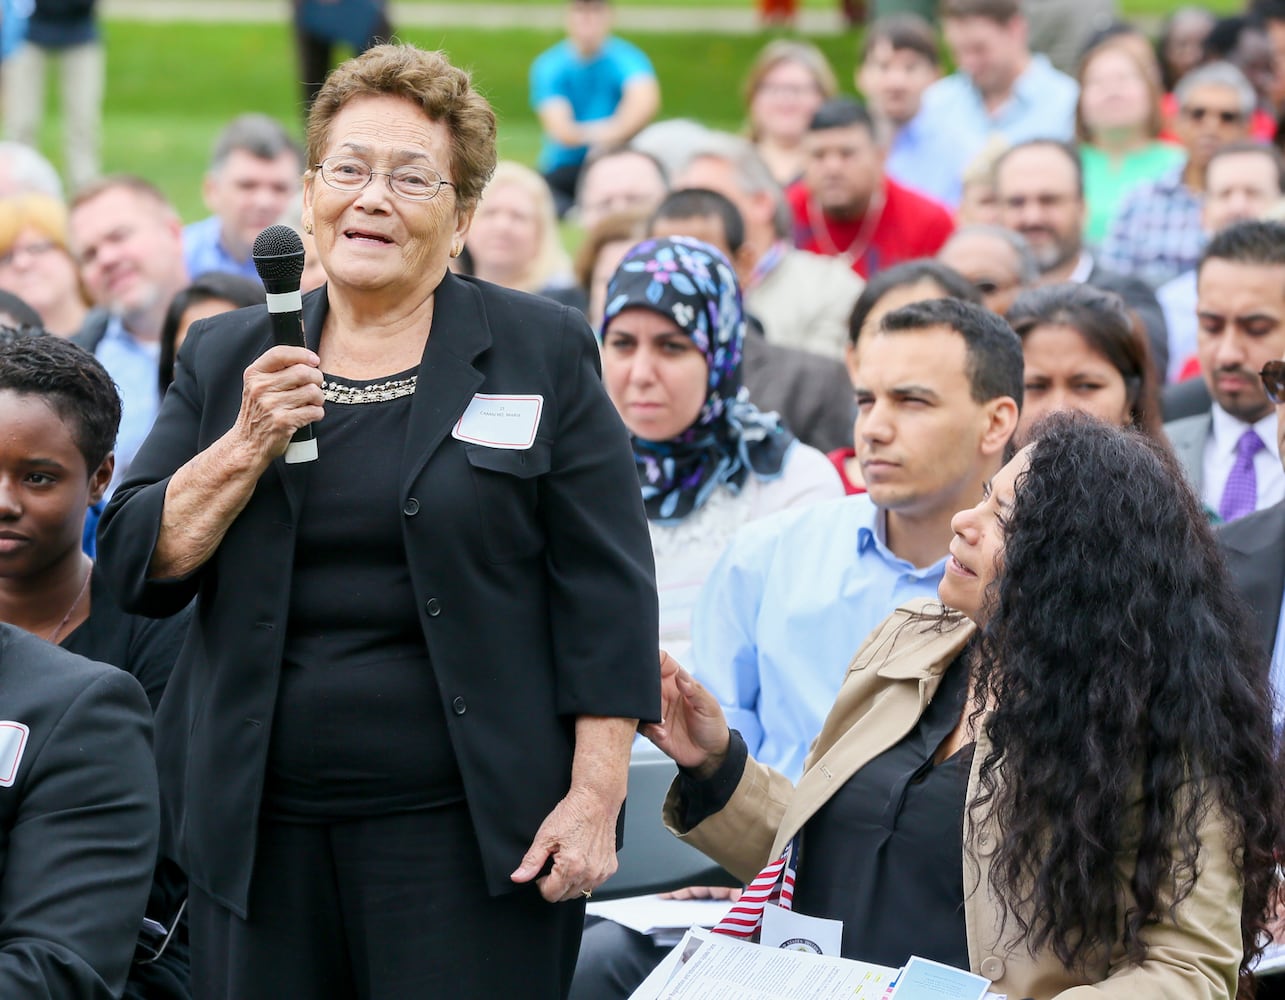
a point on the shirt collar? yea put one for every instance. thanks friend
(1172, 181)
(116, 332)
(1083, 268)
(766, 264)
(873, 534)
(1028, 88)
(1227, 430)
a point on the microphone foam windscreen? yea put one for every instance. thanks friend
(278, 254)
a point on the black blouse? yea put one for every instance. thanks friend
(359, 727)
(885, 853)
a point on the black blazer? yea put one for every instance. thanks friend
(78, 822)
(534, 571)
(1254, 547)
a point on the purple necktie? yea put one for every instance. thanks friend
(1240, 495)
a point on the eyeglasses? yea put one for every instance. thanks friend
(1226, 117)
(410, 181)
(30, 250)
(1273, 376)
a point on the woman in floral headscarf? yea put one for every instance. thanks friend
(708, 461)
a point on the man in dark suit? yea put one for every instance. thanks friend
(79, 821)
(1253, 548)
(1229, 452)
(1040, 186)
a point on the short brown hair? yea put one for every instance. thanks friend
(428, 80)
(999, 11)
(615, 228)
(903, 32)
(140, 186)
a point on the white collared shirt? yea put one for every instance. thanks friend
(1083, 268)
(1220, 456)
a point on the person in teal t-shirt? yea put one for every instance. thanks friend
(1117, 121)
(590, 91)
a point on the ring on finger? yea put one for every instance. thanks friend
(587, 893)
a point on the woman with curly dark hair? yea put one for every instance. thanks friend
(1084, 722)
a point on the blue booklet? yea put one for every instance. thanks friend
(923, 979)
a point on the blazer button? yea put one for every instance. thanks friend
(458, 706)
(411, 507)
(433, 607)
(993, 968)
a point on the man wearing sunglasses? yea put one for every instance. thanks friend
(1156, 234)
(1232, 453)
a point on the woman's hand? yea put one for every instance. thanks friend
(574, 851)
(281, 392)
(579, 838)
(692, 728)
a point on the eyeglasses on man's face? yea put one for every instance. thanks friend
(1273, 376)
(411, 181)
(1226, 117)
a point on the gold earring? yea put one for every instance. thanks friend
(456, 250)
(307, 228)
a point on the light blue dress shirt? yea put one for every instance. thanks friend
(1042, 106)
(203, 251)
(132, 365)
(783, 612)
(926, 159)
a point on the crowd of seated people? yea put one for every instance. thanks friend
(855, 351)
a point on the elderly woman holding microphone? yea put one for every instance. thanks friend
(398, 734)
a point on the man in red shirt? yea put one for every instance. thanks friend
(845, 207)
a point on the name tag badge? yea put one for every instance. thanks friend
(13, 741)
(495, 421)
(798, 932)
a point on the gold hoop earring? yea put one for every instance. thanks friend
(456, 250)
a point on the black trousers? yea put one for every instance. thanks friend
(315, 54)
(386, 908)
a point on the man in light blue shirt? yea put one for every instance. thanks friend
(128, 241)
(1000, 87)
(254, 176)
(938, 385)
(899, 62)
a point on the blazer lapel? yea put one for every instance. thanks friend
(857, 731)
(447, 379)
(1257, 567)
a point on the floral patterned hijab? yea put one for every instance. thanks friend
(693, 284)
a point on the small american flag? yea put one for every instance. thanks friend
(774, 884)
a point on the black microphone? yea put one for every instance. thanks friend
(278, 257)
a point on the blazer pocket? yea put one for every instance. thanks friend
(507, 487)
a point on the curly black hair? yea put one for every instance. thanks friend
(71, 380)
(1130, 702)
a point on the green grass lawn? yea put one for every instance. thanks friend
(171, 87)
